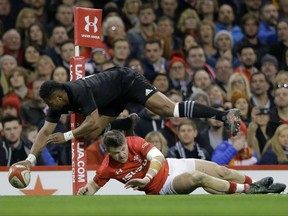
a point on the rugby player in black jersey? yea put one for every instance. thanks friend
(101, 97)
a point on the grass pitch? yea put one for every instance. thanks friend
(271, 204)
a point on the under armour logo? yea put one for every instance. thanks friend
(118, 171)
(91, 24)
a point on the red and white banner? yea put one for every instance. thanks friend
(87, 26)
(79, 156)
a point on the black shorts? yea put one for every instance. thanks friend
(136, 90)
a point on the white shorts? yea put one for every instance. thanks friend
(176, 167)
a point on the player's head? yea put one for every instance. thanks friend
(115, 143)
(52, 93)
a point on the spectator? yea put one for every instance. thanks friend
(226, 18)
(250, 7)
(241, 102)
(121, 51)
(7, 15)
(18, 83)
(34, 110)
(40, 7)
(248, 60)
(168, 8)
(67, 51)
(31, 57)
(45, 67)
(236, 150)
(202, 79)
(131, 10)
(268, 21)
(250, 28)
(186, 147)
(10, 107)
(188, 42)
(7, 62)
(166, 27)
(196, 60)
(223, 71)
(217, 96)
(279, 114)
(188, 23)
(179, 76)
(25, 18)
(208, 10)
(113, 27)
(224, 43)
(281, 77)
(141, 32)
(257, 129)
(158, 140)
(261, 96)
(161, 82)
(36, 34)
(283, 9)
(98, 56)
(207, 33)
(275, 151)
(12, 45)
(59, 36)
(13, 147)
(278, 50)
(153, 62)
(269, 66)
(63, 17)
(60, 74)
(135, 64)
(238, 82)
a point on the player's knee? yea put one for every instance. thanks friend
(196, 178)
(222, 171)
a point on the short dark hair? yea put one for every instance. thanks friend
(153, 41)
(113, 138)
(10, 118)
(49, 87)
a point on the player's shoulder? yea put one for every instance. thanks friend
(137, 142)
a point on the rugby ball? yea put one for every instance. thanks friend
(19, 176)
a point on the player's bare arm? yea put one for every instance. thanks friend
(91, 123)
(40, 143)
(156, 159)
(89, 189)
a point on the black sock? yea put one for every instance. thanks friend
(193, 109)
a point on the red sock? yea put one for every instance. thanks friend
(248, 180)
(232, 188)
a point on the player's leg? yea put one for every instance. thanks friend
(161, 105)
(105, 120)
(221, 172)
(187, 182)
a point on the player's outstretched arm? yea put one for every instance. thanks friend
(91, 123)
(89, 189)
(39, 144)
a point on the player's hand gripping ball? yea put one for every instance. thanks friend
(19, 176)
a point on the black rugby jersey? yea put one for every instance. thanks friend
(96, 91)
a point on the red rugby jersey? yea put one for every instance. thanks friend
(136, 167)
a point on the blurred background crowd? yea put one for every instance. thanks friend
(222, 53)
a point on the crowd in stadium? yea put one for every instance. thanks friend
(221, 53)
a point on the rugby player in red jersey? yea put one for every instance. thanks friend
(141, 166)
